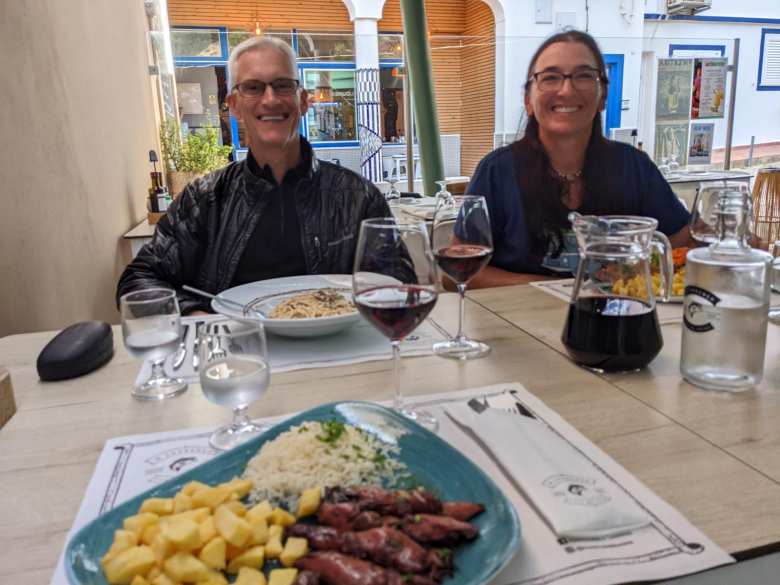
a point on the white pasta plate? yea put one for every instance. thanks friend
(263, 296)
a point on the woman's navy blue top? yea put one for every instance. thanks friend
(645, 192)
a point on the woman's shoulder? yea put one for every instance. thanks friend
(501, 157)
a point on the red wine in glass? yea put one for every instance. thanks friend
(461, 262)
(396, 310)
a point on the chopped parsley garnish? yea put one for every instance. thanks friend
(332, 430)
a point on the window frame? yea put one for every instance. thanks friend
(764, 33)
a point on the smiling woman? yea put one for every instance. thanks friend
(564, 163)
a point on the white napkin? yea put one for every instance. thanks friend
(568, 490)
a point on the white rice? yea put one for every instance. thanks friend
(315, 455)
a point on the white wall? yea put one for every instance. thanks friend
(77, 122)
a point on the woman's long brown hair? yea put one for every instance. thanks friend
(541, 190)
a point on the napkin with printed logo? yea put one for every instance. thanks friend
(570, 492)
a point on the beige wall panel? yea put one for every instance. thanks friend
(447, 80)
(77, 122)
(444, 16)
(276, 14)
(478, 89)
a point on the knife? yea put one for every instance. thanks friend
(178, 360)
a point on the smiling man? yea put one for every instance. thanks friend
(280, 212)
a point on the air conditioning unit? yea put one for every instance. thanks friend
(687, 7)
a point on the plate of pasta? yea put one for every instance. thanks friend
(294, 306)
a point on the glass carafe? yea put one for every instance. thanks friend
(612, 323)
(726, 302)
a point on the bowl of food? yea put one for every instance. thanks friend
(634, 286)
(313, 499)
(297, 306)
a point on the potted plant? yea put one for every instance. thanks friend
(191, 156)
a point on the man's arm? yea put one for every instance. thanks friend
(174, 255)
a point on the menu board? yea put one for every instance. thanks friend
(709, 88)
(671, 143)
(673, 97)
(700, 146)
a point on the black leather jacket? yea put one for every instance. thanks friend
(203, 235)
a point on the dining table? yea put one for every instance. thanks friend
(714, 456)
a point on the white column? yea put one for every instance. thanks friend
(367, 95)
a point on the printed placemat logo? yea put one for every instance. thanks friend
(577, 490)
(699, 312)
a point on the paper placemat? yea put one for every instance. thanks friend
(667, 312)
(360, 343)
(670, 546)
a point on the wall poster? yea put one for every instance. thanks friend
(674, 90)
(709, 88)
(671, 143)
(700, 147)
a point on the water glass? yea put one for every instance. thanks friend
(234, 372)
(151, 328)
(774, 277)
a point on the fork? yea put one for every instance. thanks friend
(216, 351)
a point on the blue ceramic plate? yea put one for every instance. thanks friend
(434, 463)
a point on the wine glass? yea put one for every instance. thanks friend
(151, 328)
(774, 276)
(393, 195)
(394, 286)
(443, 194)
(462, 246)
(704, 211)
(234, 372)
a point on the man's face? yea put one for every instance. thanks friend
(271, 120)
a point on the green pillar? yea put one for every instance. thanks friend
(418, 71)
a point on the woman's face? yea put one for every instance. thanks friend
(568, 111)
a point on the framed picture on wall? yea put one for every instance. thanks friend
(674, 89)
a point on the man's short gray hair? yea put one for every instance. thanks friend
(258, 44)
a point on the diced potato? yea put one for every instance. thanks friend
(213, 554)
(149, 533)
(155, 572)
(215, 578)
(294, 549)
(233, 529)
(122, 568)
(162, 548)
(159, 506)
(210, 497)
(253, 557)
(184, 567)
(191, 487)
(232, 552)
(207, 529)
(282, 576)
(163, 579)
(181, 503)
(138, 522)
(282, 517)
(273, 548)
(261, 510)
(260, 532)
(237, 507)
(139, 580)
(197, 515)
(184, 533)
(249, 576)
(123, 539)
(308, 503)
(240, 487)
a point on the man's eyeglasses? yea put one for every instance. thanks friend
(582, 79)
(252, 88)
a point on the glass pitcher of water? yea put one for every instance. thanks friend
(612, 323)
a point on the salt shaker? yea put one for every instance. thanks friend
(726, 301)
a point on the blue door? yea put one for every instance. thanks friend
(614, 64)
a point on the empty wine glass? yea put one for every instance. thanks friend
(774, 277)
(393, 195)
(462, 246)
(664, 167)
(704, 219)
(394, 286)
(443, 194)
(234, 372)
(151, 328)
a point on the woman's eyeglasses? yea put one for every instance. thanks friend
(582, 79)
(252, 88)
